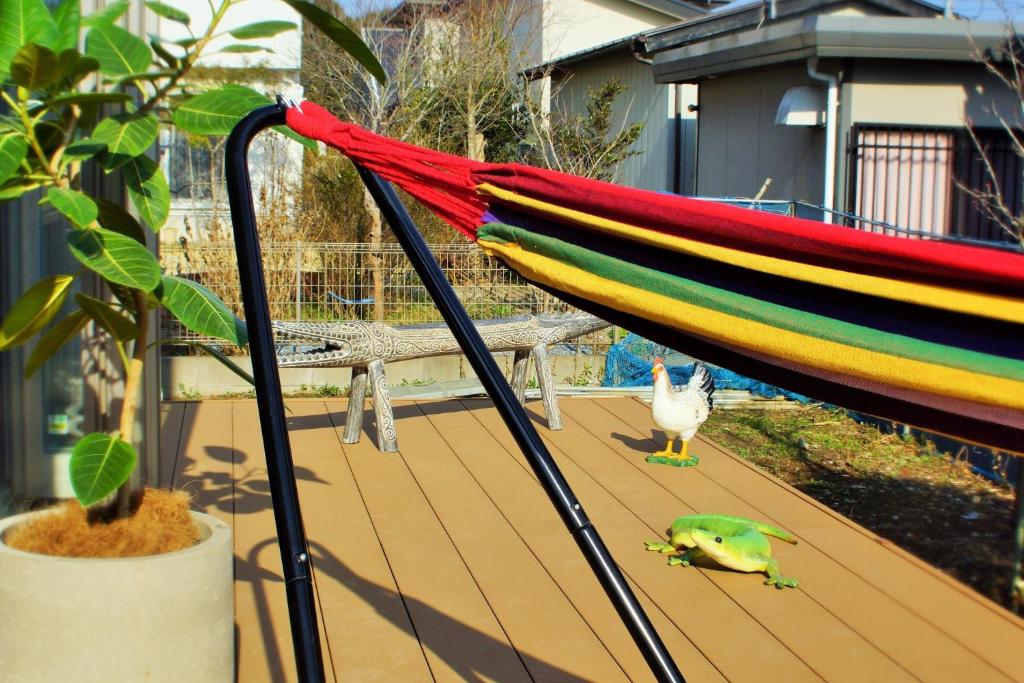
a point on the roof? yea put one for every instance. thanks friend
(624, 43)
(753, 15)
(678, 8)
(824, 36)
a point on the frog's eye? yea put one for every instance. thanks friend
(718, 539)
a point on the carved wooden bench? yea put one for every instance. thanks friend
(367, 346)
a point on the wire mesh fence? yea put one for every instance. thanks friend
(325, 282)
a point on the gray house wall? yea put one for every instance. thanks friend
(644, 101)
(739, 144)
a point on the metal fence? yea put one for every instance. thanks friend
(326, 282)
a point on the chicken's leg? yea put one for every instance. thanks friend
(684, 452)
(668, 451)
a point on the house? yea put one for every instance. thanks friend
(578, 45)
(855, 105)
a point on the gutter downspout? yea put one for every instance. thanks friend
(831, 112)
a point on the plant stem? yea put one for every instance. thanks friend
(133, 378)
(188, 60)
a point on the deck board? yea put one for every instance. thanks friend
(687, 597)
(368, 630)
(445, 561)
(914, 601)
(518, 588)
(815, 635)
(457, 627)
(520, 500)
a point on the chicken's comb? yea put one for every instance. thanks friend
(658, 361)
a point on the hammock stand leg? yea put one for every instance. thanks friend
(280, 468)
(284, 494)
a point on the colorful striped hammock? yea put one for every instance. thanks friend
(921, 332)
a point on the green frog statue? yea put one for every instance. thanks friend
(733, 542)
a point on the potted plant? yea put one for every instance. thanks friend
(82, 90)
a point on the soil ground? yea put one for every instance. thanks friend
(925, 501)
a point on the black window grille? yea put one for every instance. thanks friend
(915, 178)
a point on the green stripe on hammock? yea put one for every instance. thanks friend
(749, 308)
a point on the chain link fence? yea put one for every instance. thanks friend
(324, 282)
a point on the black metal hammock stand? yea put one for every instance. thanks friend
(295, 558)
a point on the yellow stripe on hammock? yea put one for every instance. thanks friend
(756, 336)
(992, 306)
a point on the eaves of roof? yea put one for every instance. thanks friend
(624, 43)
(829, 36)
(753, 15)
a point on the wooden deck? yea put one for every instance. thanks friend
(446, 562)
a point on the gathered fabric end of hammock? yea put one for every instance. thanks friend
(440, 181)
(922, 332)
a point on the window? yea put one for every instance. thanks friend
(912, 178)
(194, 166)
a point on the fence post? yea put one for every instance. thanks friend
(298, 281)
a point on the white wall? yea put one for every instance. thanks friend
(286, 46)
(574, 25)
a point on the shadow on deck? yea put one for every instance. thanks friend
(445, 561)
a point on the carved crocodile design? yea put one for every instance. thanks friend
(366, 346)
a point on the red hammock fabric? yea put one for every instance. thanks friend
(447, 184)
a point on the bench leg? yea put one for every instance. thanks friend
(356, 401)
(547, 386)
(387, 438)
(520, 368)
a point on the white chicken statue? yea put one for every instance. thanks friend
(680, 412)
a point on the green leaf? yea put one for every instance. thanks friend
(185, 42)
(53, 339)
(34, 67)
(99, 464)
(117, 258)
(114, 217)
(148, 191)
(79, 208)
(119, 52)
(34, 309)
(108, 15)
(163, 53)
(74, 66)
(216, 112)
(200, 310)
(262, 29)
(147, 76)
(120, 326)
(341, 35)
(23, 22)
(88, 98)
(13, 148)
(68, 17)
(126, 136)
(168, 12)
(15, 187)
(84, 149)
(244, 49)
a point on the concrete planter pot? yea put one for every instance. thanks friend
(157, 618)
